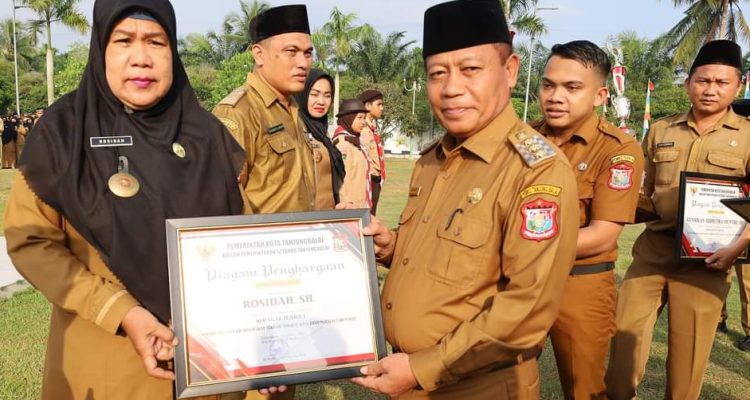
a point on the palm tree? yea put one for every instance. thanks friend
(381, 59)
(25, 43)
(339, 33)
(49, 12)
(238, 24)
(704, 21)
(522, 17)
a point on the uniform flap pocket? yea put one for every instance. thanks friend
(466, 231)
(585, 190)
(666, 155)
(280, 142)
(408, 212)
(724, 160)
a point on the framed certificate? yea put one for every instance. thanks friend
(274, 299)
(704, 223)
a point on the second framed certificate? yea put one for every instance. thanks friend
(704, 224)
(269, 300)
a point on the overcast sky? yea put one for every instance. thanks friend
(575, 19)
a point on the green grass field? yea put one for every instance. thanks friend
(24, 318)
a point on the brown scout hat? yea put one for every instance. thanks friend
(351, 106)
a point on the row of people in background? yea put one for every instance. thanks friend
(350, 165)
(486, 262)
(15, 130)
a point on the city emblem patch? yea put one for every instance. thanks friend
(621, 177)
(539, 220)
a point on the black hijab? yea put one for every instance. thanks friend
(318, 127)
(71, 176)
(9, 131)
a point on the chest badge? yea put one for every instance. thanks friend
(733, 143)
(583, 166)
(123, 184)
(475, 195)
(178, 150)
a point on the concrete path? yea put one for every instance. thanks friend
(8, 273)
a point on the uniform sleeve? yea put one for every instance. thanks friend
(649, 168)
(350, 189)
(537, 253)
(618, 185)
(37, 245)
(244, 126)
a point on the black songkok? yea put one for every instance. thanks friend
(722, 52)
(463, 23)
(279, 20)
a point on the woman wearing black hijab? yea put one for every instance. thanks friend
(84, 222)
(10, 134)
(314, 102)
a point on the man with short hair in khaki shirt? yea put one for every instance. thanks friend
(488, 234)
(710, 138)
(264, 117)
(608, 165)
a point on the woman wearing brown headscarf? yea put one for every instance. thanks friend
(84, 222)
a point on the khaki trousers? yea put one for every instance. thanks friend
(581, 334)
(694, 295)
(743, 278)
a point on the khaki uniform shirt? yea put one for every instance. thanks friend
(279, 175)
(483, 249)
(356, 186)
(85, 358)
(608, 165)
(323, 178)
(673, 144)
(368, 143)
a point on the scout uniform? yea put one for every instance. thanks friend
(694, 292)
(356, 186)
(608, 165)
(279, 174)
(373, 145)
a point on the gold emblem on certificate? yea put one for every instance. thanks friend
(123, 184)
(705, 224)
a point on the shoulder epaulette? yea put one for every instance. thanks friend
(430, 146)
(233, 98)
(610, 129)
(532, 147)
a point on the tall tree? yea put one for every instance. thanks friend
(52, 11)
(339, 33)
(25, 43)
(704, 21)
(381, 59)
(523, 18)
(238, 24)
